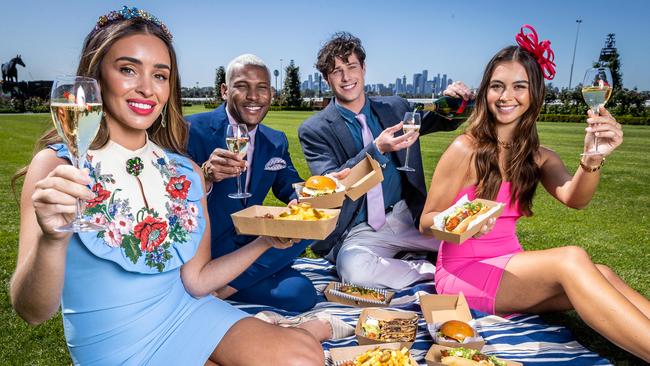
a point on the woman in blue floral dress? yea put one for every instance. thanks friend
(137, 292)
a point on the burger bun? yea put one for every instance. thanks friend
(456, 330)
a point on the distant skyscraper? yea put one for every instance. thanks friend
(310, 82)
(449, 82)
(398, 86)
(423, 82)
(417, 81)
(443, 84)
(428, 87)
(404, 84)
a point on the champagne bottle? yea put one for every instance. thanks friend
(453, 108)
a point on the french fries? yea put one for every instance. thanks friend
(303, 211)
(382, 357)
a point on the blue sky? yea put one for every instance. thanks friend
(400, 36)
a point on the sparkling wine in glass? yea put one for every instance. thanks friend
(596, 90)
(76, 107)
(237, 141)
(411, 123)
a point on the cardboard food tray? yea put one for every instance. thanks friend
(332, 294)
(441, 308)
(248, 222)
(383, 314)
(433, 357)
(362, 177)
(342, 354)
(496, 208)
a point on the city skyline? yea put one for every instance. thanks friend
(420, 84)
(399, 38)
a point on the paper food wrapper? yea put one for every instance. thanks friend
(439, 220)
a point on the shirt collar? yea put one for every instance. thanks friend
(233, 121)
(348, 114)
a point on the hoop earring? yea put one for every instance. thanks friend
(163, 121)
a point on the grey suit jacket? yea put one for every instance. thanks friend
(328, 147)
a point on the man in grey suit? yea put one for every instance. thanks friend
(372, 230)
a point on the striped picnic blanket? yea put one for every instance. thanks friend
(524, 338)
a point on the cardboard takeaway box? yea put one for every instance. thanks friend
(342, 354)
(495, 209)
(249, 222)
(441, 308)
(383, 314)
(333, 295)
(363, 176)
(433, 357)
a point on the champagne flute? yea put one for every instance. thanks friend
(237, 142)
(411, 123)
(596, 90)
(76, 106)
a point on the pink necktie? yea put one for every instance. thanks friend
(375, 196)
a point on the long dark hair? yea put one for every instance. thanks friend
(520, 167)
(96, 45)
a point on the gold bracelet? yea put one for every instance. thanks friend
(206, 173)
(591, 169)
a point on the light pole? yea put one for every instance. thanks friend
(575, 45)
(276, 73)
(281, 70)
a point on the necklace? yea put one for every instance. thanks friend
(134, 167)
(505, 145)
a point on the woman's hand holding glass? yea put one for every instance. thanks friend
(55, 198)
(603, 133)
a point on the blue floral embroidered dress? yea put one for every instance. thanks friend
(123, 299)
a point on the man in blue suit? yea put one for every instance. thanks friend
(371, 231)
(270, 280)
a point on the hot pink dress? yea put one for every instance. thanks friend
(475, 267)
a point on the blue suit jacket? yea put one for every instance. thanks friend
(328, 146)
(208, 132)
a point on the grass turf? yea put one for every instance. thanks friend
(614, 229)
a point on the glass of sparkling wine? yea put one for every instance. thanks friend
(76, 106)
(237, 142)
(411, 123)
(596, 90)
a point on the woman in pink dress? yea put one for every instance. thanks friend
(499, 157)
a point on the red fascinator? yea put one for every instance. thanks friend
(540, 50)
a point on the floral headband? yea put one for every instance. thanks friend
(540, 50)
(129, 13)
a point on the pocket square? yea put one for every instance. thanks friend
(275, 164)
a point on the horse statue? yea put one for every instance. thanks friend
(10, 71)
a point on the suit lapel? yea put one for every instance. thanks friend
(340, 130)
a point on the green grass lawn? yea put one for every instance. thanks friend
(614, 229)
